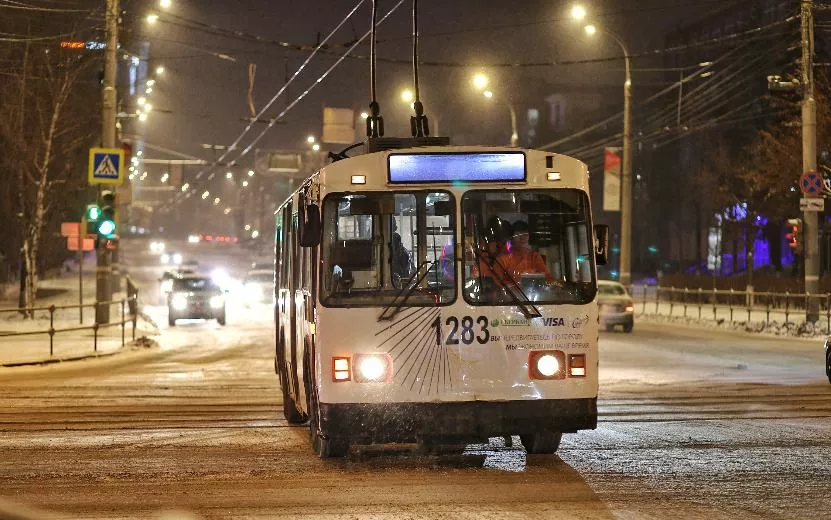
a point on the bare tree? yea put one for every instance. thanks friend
(45, 130)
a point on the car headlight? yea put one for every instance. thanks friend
(217, 302)
(546, 364)
(177, 259)
(179, 302)
(165, 258)
(373, 368)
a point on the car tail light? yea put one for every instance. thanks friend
(546, 364)
(373, 368)
(577, 365)
(341, 369)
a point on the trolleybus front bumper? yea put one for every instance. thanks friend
(410, 422)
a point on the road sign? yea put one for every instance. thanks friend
(69, 229)
(106, 166)
(811, 183)
(811, 204)
(82, 242)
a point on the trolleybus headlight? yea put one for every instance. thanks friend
(577, 365)
(179, 302)
(546, 364)
(217, 302)
(341, 370)
(372, 368)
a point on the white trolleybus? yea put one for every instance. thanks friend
(439, 293)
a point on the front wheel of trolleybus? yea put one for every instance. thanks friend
(290, 411)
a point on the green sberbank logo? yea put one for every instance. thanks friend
(494, 322)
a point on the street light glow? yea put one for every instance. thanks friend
(141, 101)
(250, 173)
(142, 117)
(591, 30)
(148, 107)
(364, 115)
(159, 70)
(488, 94)
(407, 95)
(244, 184)
(216, 201)
(310, 139)
(227, 211)
(206, 194)
(151, 82)
(229, 176)
(255, 234)
(152, 18)
(165, 4)
(316, 147)
(480, 81)
(578, 12)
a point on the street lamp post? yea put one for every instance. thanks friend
(626, 178)
(514, 134)
(480, 82)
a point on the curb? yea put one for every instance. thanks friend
(54, 361)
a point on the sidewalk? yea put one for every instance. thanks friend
(73, 344)
(776, 322)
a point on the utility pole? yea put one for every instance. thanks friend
(103, 282)
(626, 177)
(809, 158)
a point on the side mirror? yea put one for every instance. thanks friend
(309, 225)
(601, 244)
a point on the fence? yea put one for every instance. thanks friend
(125, 304)
(731, 304)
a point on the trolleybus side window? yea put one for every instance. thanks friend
(529, 245)
(378, 244)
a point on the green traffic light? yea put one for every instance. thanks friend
(93, 213)
(106, 227)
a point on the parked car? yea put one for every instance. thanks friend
(615, 306)
(195, 297)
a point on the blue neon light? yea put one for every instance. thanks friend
(457, 167)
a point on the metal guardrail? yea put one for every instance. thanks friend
(714, 301)
(129, 314)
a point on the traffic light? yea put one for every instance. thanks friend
(106, 223)
(91, 216)
(793, 233)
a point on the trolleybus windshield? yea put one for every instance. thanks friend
(376, 243)
(531, 243)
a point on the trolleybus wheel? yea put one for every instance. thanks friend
(290, 411)
(542, 442)
(628, 327)
(828, 365)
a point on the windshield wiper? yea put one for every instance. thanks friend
(404, 294)
(528, 309)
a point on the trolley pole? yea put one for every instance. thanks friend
(103, 281)
(809, 158)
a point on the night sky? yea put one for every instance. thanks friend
(207, 96)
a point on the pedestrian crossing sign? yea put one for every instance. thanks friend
(106, 166)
